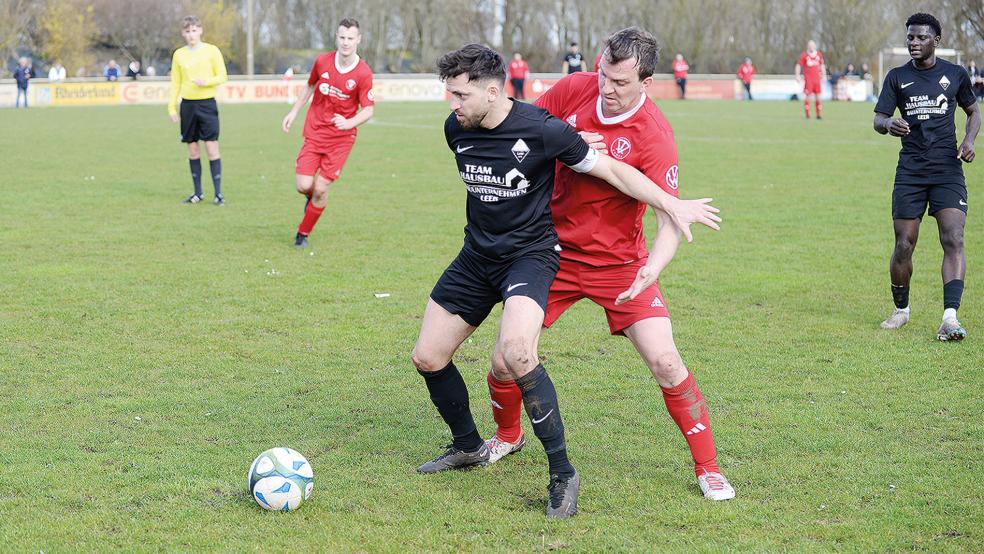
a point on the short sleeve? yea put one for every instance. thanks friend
(660, 162)
(315, 74)
(553, 98)
(802, 60)
(562, 143)
(965, 91)
(448, 130)
(366, 96)
(887, 99)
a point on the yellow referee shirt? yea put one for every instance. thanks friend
(204, 62)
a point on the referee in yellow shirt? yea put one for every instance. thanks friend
(196, 70)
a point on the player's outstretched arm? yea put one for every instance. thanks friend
(966, 151)
(632, 182)
(292, 114)
(664, 248)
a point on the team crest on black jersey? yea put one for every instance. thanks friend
(520, 150)
(944, 82)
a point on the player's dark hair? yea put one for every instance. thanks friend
(925, 19)
(190, 20)
(573, 44)
(348, 22)
(634, 43)
(477, 60)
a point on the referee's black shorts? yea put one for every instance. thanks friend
(199, 120)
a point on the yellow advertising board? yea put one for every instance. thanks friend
(77, 94)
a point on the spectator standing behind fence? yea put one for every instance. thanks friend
(57, 73)
(976, 80)
(133, 70)
(573, 60)
(22, 75)
(745, 73)
(112, 71)
(680, 71)
(519, 70)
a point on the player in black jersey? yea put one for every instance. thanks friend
(506, 153)
(927, 91)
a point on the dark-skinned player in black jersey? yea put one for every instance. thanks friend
(926, 91)
(506, 153)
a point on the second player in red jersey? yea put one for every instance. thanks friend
(341, 84)
(811, 70)
(603, 251)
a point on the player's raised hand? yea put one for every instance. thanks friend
(594, 140)
(645, 278)
(899, 127)
(966, 152)
(683, 213)
(288, 121)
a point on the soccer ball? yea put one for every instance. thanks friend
(280, 479)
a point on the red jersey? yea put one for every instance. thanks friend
(597, 224)
(518, 69)
(745, 72)
(811, 65)
(337, 90)
(680, 69)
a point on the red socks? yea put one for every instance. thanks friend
(817, 104)
(507, 404)
(689, 411)
(806, 107)
(311, 215)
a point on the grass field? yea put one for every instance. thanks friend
(150, 350)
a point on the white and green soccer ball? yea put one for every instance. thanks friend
(281, 479)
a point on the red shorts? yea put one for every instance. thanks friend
(602, 285)
(329, 159)
(811, 87)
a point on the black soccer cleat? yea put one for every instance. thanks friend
(193, 199)
(563, 490)
(219, 200)
(456, 459)
(301, 241)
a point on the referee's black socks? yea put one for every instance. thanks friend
(450, 395)
(196, 174)
(540, 400)
(215, 166)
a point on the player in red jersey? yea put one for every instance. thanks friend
(341, 83)
(745, 73)
(810, 70)
(519, 70)
(603, 245)
(680, 71)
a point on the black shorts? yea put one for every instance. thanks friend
(909, 201)
(199, 120)
(471, 286)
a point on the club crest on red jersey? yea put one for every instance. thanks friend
(350, 84)
(621, 148)
(672, 177)
(572, 120)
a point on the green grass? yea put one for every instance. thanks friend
(149, 350)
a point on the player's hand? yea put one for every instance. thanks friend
(288, 121)
(174, 118)
(966, 151)
(341, 123)
(683, 213)
(200, 82)
(899, 127)
(594, 140)
(645, 278)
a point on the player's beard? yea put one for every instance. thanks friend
(473, 122)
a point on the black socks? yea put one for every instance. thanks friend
(215, 166)
(900, 294)
(952, 292)
(450, 395)
(540, 400)
(196, 175)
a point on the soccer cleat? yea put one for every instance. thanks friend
(950, 330)
(456, 459)
(301, 241)
(562, 502)
(898, 318)
(715, 486)
(219, 200)
(193, 199)
(499, 448)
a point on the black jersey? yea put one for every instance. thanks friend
(927, 100)
(574, 62)
(508, 172)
